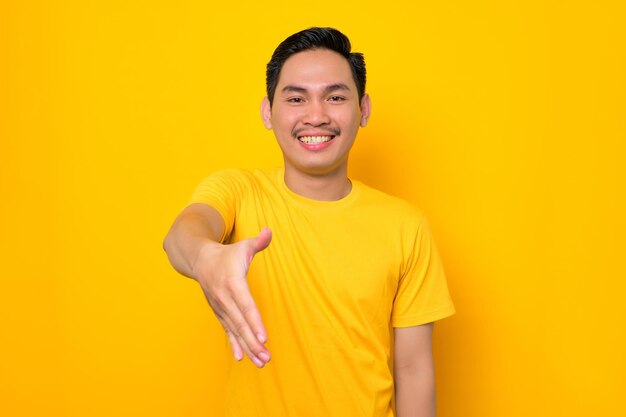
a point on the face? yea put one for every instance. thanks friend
(316, 113)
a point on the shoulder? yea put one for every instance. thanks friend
(391, 206)
(230, 174)
(231, 185)
(240, 179)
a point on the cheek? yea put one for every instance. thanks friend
(349, 114)
(283, 120)
(350, 122)
(282, 127)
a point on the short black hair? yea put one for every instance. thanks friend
(315, 38)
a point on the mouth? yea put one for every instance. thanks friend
(314, 140)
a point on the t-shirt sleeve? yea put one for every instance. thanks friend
(422, 295)
(222, 190)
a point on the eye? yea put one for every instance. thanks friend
(336, 98)
(295, 100)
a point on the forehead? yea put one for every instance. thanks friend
(316, 68)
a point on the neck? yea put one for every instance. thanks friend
(323, 187)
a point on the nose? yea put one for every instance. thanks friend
(316, 114)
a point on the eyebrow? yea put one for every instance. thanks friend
(329, 88)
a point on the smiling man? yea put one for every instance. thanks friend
(340, 269)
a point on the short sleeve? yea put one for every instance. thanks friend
(422, 295)
(223, 191)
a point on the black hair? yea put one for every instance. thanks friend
(315, 38)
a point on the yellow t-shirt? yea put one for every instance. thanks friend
(337, 276)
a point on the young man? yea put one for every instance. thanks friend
(348, 268)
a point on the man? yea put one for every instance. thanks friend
(347, 265)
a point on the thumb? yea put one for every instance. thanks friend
(260, 242)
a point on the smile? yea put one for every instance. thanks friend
(312, 140)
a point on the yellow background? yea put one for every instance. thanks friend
(505, 121)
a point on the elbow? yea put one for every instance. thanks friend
(167, 241)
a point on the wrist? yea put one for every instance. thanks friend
(207, 249)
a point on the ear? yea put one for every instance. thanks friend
(266, 113)
(366, 109)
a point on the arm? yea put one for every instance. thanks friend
(414, 372)
(193, 250)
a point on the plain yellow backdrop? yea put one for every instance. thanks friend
(504, 121)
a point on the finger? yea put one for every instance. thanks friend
(248, 340)
(257, 361)
(238, 344)
(249, 310)
(263, 240)
(234, 346)
(235, 343)
(238, 340)
(235, 322)
(257, 244)
(218, 305)
(227, 310)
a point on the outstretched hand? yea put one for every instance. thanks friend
(221, 271)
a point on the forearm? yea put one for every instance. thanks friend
(415, 392)
(194, 250)
(189, 235)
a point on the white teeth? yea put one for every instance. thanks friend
(314, 139)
